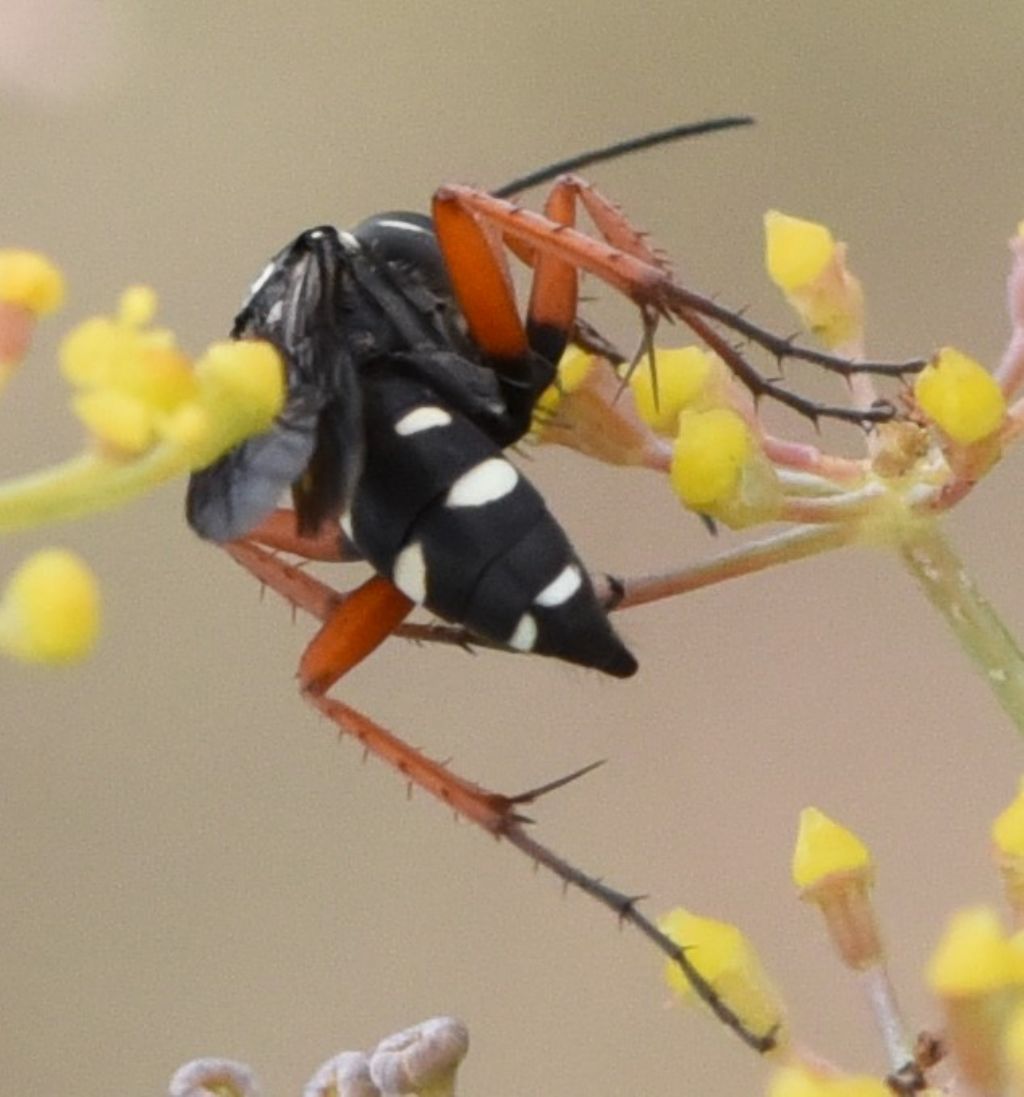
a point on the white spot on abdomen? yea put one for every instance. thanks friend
(485, 483)
(424, 418)
(410, 573)
(525, 635)
(560, 589)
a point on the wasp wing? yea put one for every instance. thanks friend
(315, 446)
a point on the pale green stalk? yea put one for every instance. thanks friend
(928, 556)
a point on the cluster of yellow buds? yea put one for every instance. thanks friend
(150, 414)
(681, 415)
(686, 416)
(976, 972)
(421, 1061)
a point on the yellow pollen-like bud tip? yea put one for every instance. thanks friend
(679, 378)
(707, 461)
(242, 389)
(137, 306)
(976, 972)
(50, 610)
(796, 251)
(31, 281)
(572, 371)
(824, 848)
(809, 266)
(975, 957)
(960, 396)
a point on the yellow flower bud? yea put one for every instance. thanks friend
(719, 469)
(242, 390)
(833, 869)
(131, 377)
(50, 610)
(573, 368)
(121, 422)
(796, 251)
(681, 375)
(711, 450)
(824, 848)
(801, 1081)
(960, 396)
(137, 306)
(975, 956)
(727, 960)
(30, 281)
(808, 265)
(1008, 843)
(587, 410)
(975, 971)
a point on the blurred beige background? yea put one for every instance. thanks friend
(190, 863)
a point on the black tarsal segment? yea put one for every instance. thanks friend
(547, 340)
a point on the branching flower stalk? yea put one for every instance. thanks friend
(150, 415)
(691, 420)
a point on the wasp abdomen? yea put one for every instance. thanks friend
(460, 530)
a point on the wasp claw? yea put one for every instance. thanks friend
(532, 794)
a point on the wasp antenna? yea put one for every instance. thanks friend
(620, 148)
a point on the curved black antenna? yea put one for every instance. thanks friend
(621, 148)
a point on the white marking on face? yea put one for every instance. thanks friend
(424, 418)
(525, 635)
(410, 573)
(561, 589)
(485, 483)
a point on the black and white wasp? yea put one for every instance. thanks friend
(409, 371)
(395, 423)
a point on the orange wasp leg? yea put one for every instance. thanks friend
(623, 261)
(481, 283)
(279, 531)
(632, 268)
(476, 265)
(354, 626)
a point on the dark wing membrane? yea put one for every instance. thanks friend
(328, 483)
(315, 446)
(231, 496)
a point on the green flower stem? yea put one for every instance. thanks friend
(84, 485)
(930, 559)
